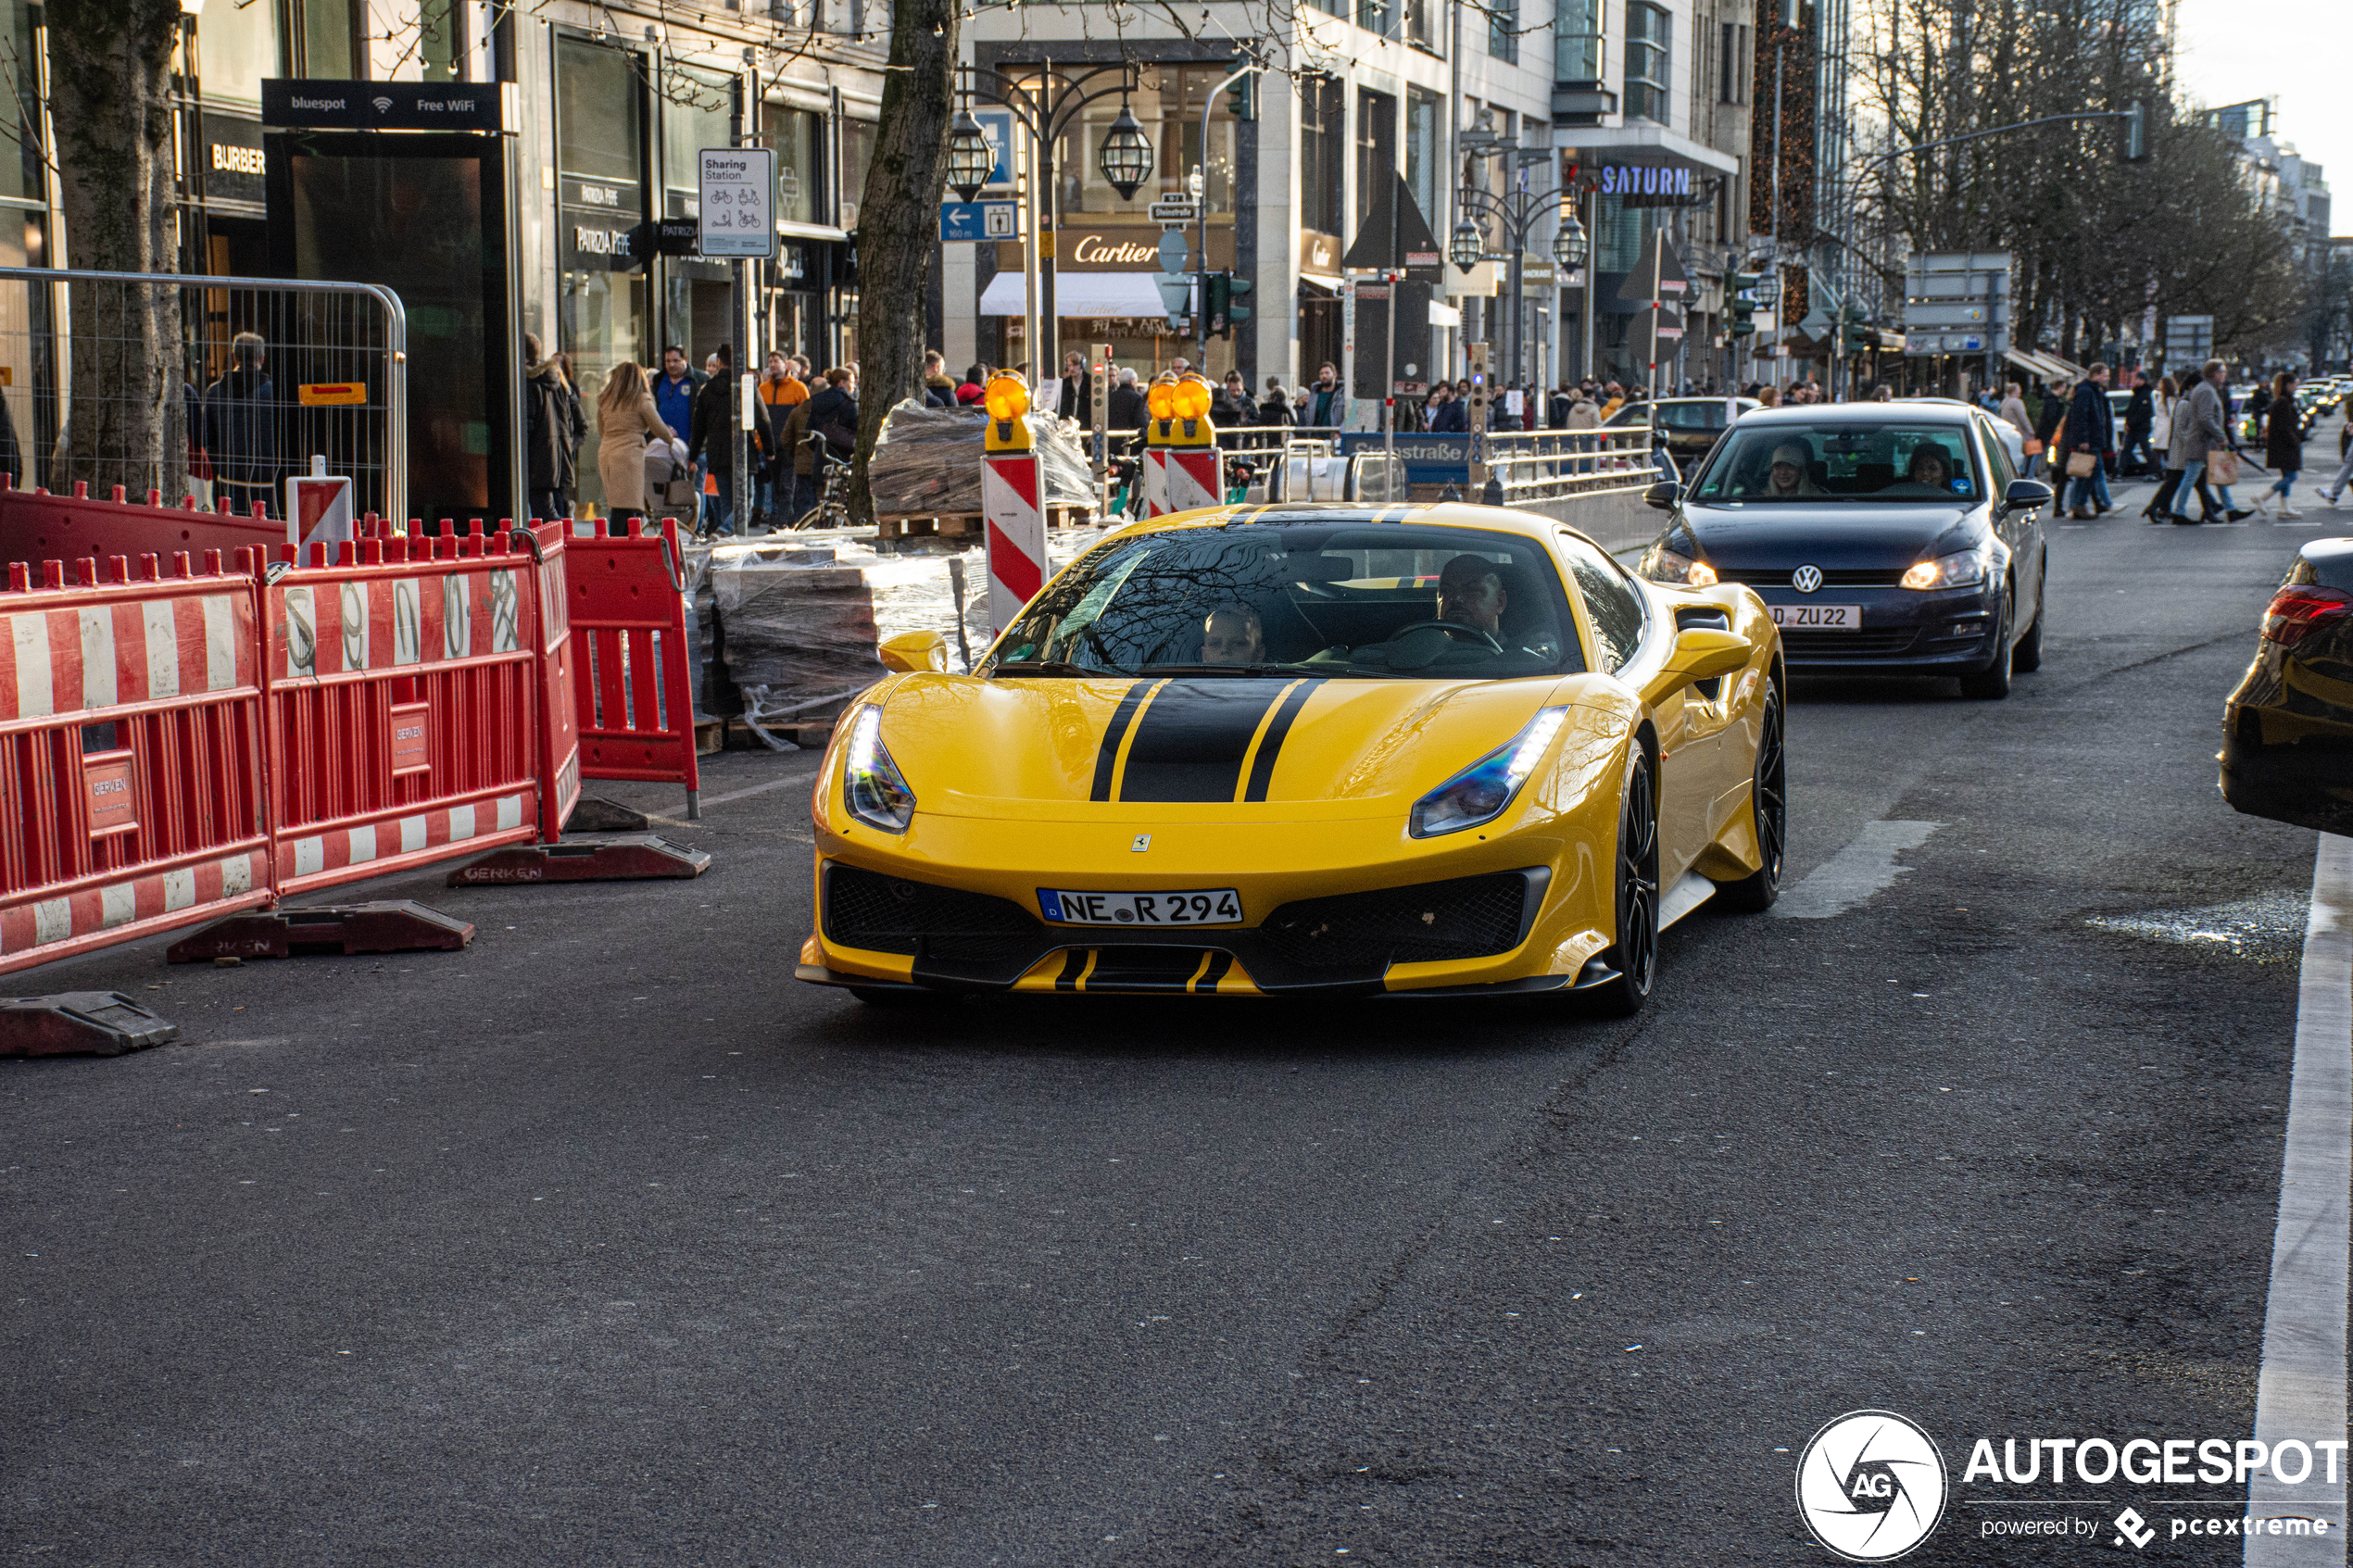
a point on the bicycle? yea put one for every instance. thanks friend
(832, 509)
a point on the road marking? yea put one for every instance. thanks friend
(709, 800)
(2300, 1392)
(1866, 865)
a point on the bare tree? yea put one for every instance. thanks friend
(111, 101)
(896, 219)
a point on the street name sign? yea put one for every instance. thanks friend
(1175, 209)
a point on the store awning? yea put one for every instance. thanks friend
(1079, 294)
(2050, 367)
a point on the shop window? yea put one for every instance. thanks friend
(1167, 104)
(798, 137)
(1424, 152)
(1503, 31)
(696, 109)
(1322, 144)
(1576, 41)
(330, 39)
(1649, 32)
(857, 153)
(1376, 147)
(237, 46)
(602, 305)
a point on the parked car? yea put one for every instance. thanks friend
(1689, 424)
(2287, 730)
(1884, 538)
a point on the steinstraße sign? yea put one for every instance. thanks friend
(303, 103)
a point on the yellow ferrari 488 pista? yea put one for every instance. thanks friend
(1311, 751)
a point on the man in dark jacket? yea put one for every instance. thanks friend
(1230, 407)
(711, 437)
(2091, 427)
(553, 430)
(2140, 418)
(1326, 403)
(1448, 414)
(241, 426)
(1129, 409)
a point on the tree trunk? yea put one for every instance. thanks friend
(110, 99)
(898, 221)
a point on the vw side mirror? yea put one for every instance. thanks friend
(1666, 495)
(2025, 495)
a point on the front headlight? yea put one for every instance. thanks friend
(1663, 565)
(1962, 568)
(871, 787)
(1481, 792)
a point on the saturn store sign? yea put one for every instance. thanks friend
(1644, 185)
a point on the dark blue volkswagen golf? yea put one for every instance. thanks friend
(1887, 538)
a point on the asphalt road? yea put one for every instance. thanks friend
(606, 1242)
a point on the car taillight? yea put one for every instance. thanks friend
(2298, 609)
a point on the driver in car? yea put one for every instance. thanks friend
(1470, 593)
(1791, 473)
(1233, 634)
(1929, 467)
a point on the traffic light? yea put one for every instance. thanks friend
(1236, 290)
(1851, 330)
(1220, 293)
(1743, 303)
(1242, 97)
(2136, 131)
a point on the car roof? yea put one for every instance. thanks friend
(1442, 514)
(1938, 410)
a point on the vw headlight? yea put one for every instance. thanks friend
(1663, 565)
(871, 787)
(1962, 568)
(1481, 792)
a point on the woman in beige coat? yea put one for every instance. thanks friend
(625, 417)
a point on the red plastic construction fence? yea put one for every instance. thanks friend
(131, 732)
(626, 593)
(36, 526)
(412, 686)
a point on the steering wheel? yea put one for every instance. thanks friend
(1452, 626)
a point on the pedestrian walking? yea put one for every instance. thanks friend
(2164, 403)
(2282, 444)
(2090, 438)
(241, 418)
(710, 441)
(2013, 409)
(1449, 414)
(2138, 459)
(2048, 418)
(1128, 411)
(674, 389)
(553, 430)
(1326, 403)
(2335, 487)
(2198, 433)
(627, 416)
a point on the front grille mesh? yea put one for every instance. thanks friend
(1832, 577)
(1866, 643)
(887, 914)
(1467, 918)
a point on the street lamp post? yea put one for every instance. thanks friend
(1516, 212)
(1047, 104)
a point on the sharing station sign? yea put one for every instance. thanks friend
(739, 211)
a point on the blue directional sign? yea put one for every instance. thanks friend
(997, 125)
(977, 221)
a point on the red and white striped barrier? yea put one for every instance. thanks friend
(1012, 506)
(1180, 479)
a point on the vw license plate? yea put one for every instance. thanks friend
(1818, 618)
(1215, 906)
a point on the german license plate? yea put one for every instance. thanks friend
(1818, 618)
(1213, 906)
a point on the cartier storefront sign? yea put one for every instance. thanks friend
(1121, 247)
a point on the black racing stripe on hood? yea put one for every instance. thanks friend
(1262, 769)
(1191, 740)
(1107, 759)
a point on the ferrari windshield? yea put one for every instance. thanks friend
(1344, 599)
(1897, 460)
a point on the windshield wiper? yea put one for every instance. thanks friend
(1055, 667)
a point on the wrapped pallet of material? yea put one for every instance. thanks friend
(799, 628)
(926, 461)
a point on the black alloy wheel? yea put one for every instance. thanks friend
(1634, 956)
(1768, 802)
(1993, 682)
(2027, 658)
